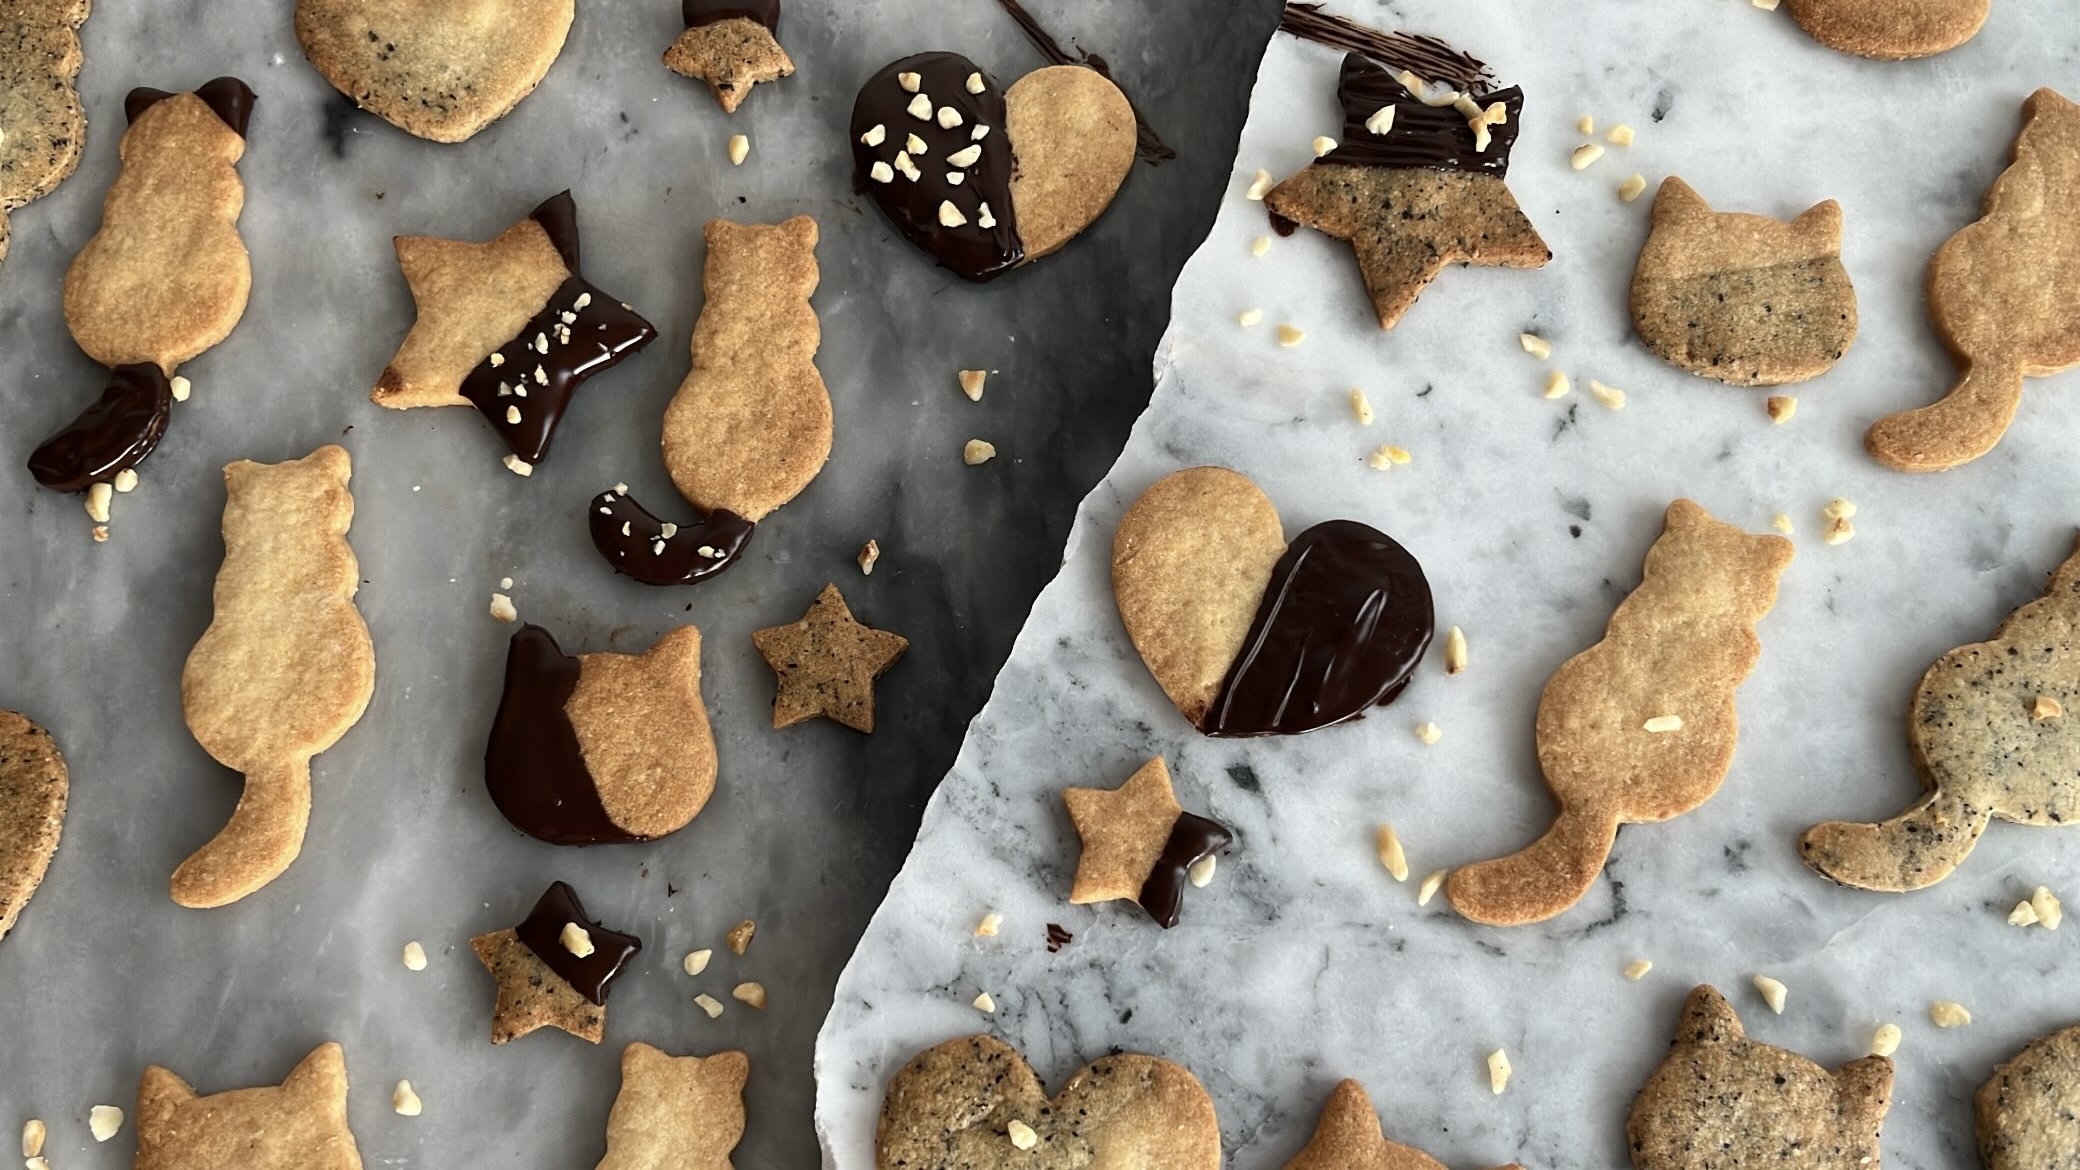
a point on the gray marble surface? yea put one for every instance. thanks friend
(1304, 963)
(104, 974)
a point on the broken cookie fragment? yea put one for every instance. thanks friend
(543, 981)
(732, 45)
(1139, 843)
(659, 552)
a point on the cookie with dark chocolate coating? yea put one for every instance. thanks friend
(732, 45)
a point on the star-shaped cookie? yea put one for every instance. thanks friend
(676, 1112)
(826, 664)
(553, 970)
(732, 45)
(1349, 1137)
(1139, 843)
(300, 1124)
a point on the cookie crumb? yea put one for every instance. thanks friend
(1432, 882)
(869, 553)
(1610, 396)
(1662, 724)
(1288, 336)
(985, 1004)
(126, 480)
(1323, 144)
(1361, 406)
(1201, 873)
(1637, 969)
(1249, 317)
(1782, 523)
(518, 466)
(2023, 914)
(1380, 121)
(751, 994)
(1391, 854)
(697, 961)
(1498, 1071)
(1586, 124)
(576, 939)
(33, 1133)
(1584, 155)
(971, 383)
(104, 1122)
(2046, 707)
(1455, 651)
(502, 608)
(98, 497)
(414, 956)
(1620, 135)
(1535, 345)
(1781, 407)
(1773, 993)
(1633, 187)
(1428, 732)
(1259, 187)
(1948, 1014)
(181, 388)
(739, 936)
(2046, 904)
(1021, 1135)
(709, 1004)
(1557, 384)
(1260, 245)
(1839, 531)
(977, 452)
(1885, 1041)
(987, 928)
(405, 1100)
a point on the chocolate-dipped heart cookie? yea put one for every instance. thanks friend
(1250, 635)
(987, 179)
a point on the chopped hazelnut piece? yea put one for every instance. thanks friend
(518, 466)
(739, 149)
(101, 534)
(1584, 155)
(1260, 245)
(1362, 407)
(576, 939)
(1620, 135)
(405, 1100)
(1201, 873)
(1391, 854)
(1782, 523)
(908, 168)
(98, 497)
(949, 215)
(1662, 724)
(1380, 121)
(1455, 651)
(1781, 407)
(1323, 144)
(1637, 969)
(1609, 396)
(33, 1133)
(1839, 531)
(1259, 186)
(983, 218)
(104, 1122)
(1948, 1014)
(1885, 1041)
(1432, 882)
(37, 1163)
(1379, 460)
(2049, 912)
(987, 928)
(2023, 914)
(739, 936)
(1773, 993)
(920, 108)
(971, 383)
(1633, 187)
(1557, 384)
(126, 480)
(1838, 509)
(948, 117)
(875, 135)
(708, 1004)
(1429, 732)
(2046, 707)
(977, 452)
(966, 156)
(502, 608)
(414, 956)
(913, 146)
(1021, 1135)
(1498, 1071)
(975, 84)
(1765, 5)
(1288, 336)
(1535, 345)
(1586, 124)
(985, 1003)
(1249, 317)
(697, 961)
(751, 994)
(181, 388)
(869, 553)
(881, 172)
(909, 81)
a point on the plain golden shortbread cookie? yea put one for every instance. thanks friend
(1740, 298)
(471, 299)
(166, 276)
(1676, 650)
(1989, 726)
(676, 1112)
(1890, 30)
(45, 125)
(284, 669)
(1123, 831)
(300, 1124)
(1349, 1137)
(2029, 1110)
(2004, 293)
(1074, 134)
(440, 69)
(955, 1107)
(33, 788)
(643, 731)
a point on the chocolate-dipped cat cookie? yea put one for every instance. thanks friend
(1416, 182)
(986, 179)
(732, 45)
(508, 326)
(1250, 635)
(602, 747)
(554, 969)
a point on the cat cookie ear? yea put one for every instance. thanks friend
(1677, 198)
(1866, 1091)
(2066, 578)
(1821, 223)
(1708, 1019)
(159, 1093)
(321, 1076)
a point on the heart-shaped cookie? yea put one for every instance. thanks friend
(1250, 635)
(986, 179)
(1890, 30)
(33, 787)
(975, 1104)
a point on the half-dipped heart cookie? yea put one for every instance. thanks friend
(987, 179)
(440, 69)
(973, 1103)
(1250, 635)
(602, 747)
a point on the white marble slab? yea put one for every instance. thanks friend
(1304, 962)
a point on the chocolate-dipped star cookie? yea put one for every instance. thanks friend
(509, 327)
(676, 1112)
(553, 970)
(1349, 1137)
(732, 45)
(826, 664)
(601, 748)
(1139, 843)
(1414, 185)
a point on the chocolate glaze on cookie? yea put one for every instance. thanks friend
(982, 240)
(1192, 839)
(700, 12)
(1146, 144)
(542, 933)
(117, 432)
(1344, 621)
(1421, 135)
(533, 767)
(227, 97)
(639, 545)
(523, 388)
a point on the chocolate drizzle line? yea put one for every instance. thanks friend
(1192, 839)
(639, 545)
(227, 97)
(526, 385)
(1422, 135)
(533, 767)
(1344, 621)
(117, 432)
(913, 205)
(700, 12)
(1146, 144)
(1427, 57)
(542, 933)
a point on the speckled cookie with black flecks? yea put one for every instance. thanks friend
(2029, 1110)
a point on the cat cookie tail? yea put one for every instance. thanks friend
(1541, 880)
(264, 835)
(1964, 425)
(1912, 851)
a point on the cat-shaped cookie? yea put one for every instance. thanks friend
(1988, 726)
(300, 1124)
(1744, 299)
(39, 104)
(1721, 1101)
(1641, 726)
